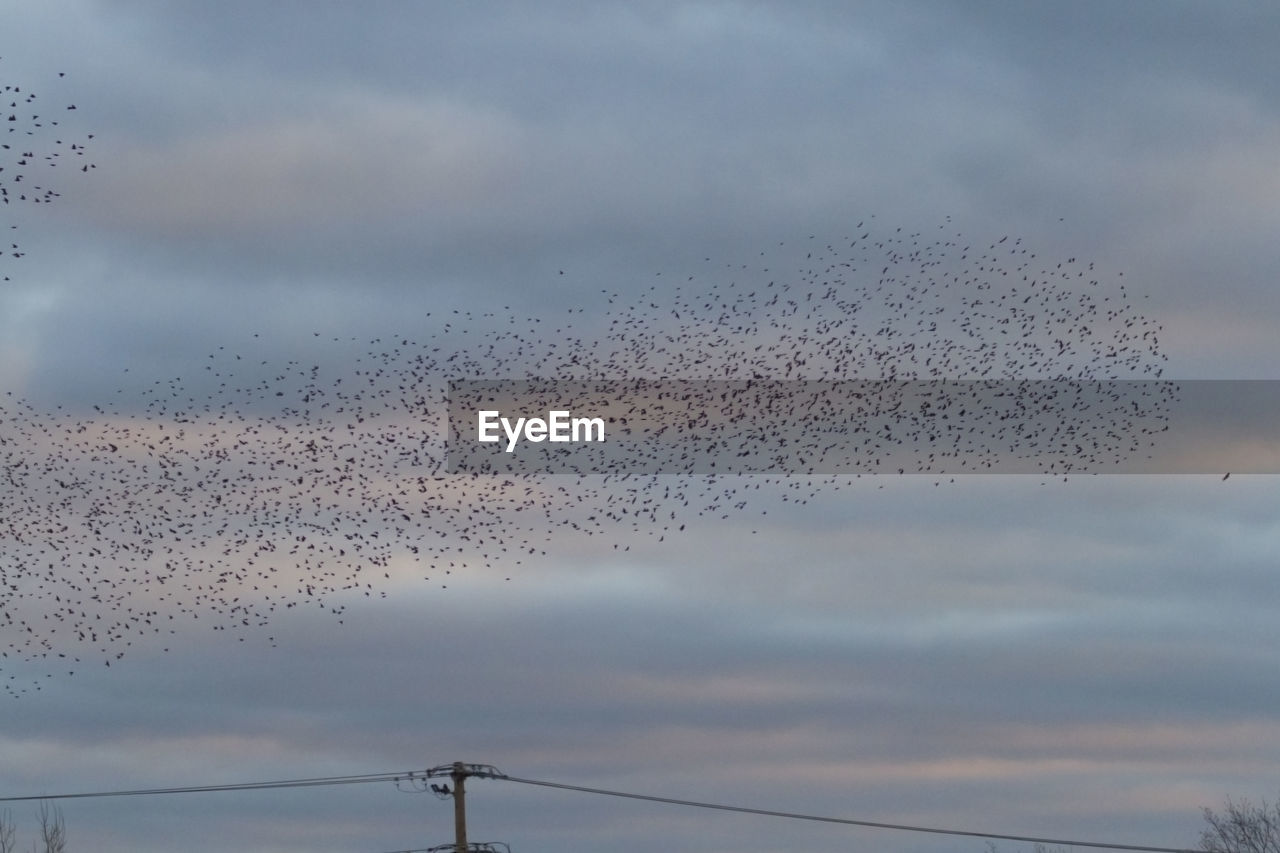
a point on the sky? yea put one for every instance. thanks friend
(1090, 658)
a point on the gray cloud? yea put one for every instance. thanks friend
(1089, 658)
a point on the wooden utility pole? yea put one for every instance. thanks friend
(459, 776)
(458, 771)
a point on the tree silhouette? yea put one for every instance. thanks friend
(1242, 827)
(53, 831)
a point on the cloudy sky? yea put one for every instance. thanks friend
(1091, 659)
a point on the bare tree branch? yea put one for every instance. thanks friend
(53, 831)
(7, 844)
(1242, 828)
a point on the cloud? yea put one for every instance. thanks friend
(358, 164)
(1083, 658)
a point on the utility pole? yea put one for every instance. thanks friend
(458, 772)
(459, 776)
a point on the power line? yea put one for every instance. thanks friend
(401, 776)
(851, 821)
(418, 776)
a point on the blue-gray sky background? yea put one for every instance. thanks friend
(1091, 659)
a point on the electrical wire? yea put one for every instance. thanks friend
(420, 774)
(240, 786)
(850, 821)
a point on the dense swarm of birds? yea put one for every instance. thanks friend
(33, 142)
(224, 498)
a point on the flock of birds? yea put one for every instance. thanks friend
(256, 486)
(26, 147)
